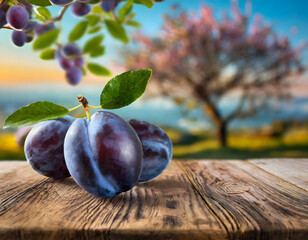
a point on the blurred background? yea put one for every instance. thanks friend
(229, 78)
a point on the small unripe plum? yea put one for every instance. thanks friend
(80, 9)
(19, 38)
(157, 149)
(104, 155)
(61, 2)
(44, 147)
(74, 75)
(17, 16)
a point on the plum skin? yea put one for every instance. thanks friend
(157, 148)
(44, 147)
(104, 155)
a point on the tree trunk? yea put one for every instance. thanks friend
(221, 125)
(222, 133)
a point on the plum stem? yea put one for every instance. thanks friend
(72, 109)
(94, 106)
(84, 103)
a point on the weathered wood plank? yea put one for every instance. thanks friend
(292, 170)
(165, 208)
(250, 202)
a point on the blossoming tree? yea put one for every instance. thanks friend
(198, 57)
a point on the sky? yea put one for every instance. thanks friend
(20, 65)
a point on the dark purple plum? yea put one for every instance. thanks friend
(17, 16)
(61, 2)
(157, 149)
(71, 50)
(79, 62)
(104, 155)
(19, 38)
(63, 61)
(44, 147)
(3, 20)
(74, 75)
(109, 5)
(42, 28)
(80, 9)
(30, 26)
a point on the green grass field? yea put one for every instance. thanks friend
(200, 145)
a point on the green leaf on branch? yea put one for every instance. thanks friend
(147, 3)
(93, 19)
(97, 52)
(134, 24)
(98, 70)
(124, 89)
(78, 31)
(41, 3)
(97, 9)
(126, 9)
(116, 30)
(93, 43)
(48, 54)
(43, 12)
(46, 39)
(35, 113)
(94, 29)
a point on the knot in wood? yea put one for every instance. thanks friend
(232, 188)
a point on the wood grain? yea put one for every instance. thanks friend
(166, 208)
(292, 170)
(250, 203)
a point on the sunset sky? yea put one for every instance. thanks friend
(22, 66)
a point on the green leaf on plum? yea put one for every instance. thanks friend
(117, 30)
(78, 31)
(124, 89)
(98, 70)
(46, 39)
(35, 113)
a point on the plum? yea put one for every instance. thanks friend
(61, 2)
(104, 155)
(157, 148)
(71, 50)
(17, 16)
(80, 9)
(109, 5)
(39, 29)
(44, 147)
(19, 38)
(73, 75)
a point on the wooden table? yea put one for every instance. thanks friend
(210, 199)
